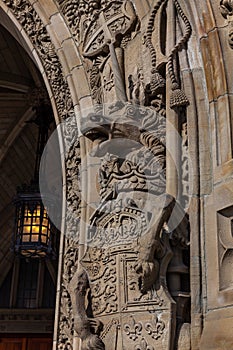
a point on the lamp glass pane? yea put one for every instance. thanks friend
(33, 228)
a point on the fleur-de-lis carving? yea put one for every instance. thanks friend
(143, 345)
(155, 328)
(133, 329)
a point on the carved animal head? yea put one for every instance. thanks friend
(120, 131)
(115, 133)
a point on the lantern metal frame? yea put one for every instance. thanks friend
(35, 236)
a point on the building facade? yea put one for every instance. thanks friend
(140, 162)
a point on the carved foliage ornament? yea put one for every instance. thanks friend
(32, 24)
(102, 28)
(81, 16)
(73, 196)
(70, 256)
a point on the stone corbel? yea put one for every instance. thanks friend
(226, 8)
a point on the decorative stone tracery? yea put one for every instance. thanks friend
(132, 219)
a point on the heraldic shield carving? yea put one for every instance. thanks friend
(132, 241)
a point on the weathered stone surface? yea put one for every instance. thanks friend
(151, 178)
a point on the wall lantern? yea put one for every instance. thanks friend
(35, 235)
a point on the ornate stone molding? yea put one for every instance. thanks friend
(136, 266)
(36, 31)
(71, 249)
(29, 19)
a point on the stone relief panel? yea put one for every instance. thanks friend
(122, 291)
(133, 68)
(131, 241)
(225, 247)
(129, 245)
(102, 29)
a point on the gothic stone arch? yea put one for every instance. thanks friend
(119, 69)
(34, 28)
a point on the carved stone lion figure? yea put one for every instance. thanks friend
(120, 295)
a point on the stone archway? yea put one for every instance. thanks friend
(19, 75)
(30, 30)
(81, 73)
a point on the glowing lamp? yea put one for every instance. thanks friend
(35, 234)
